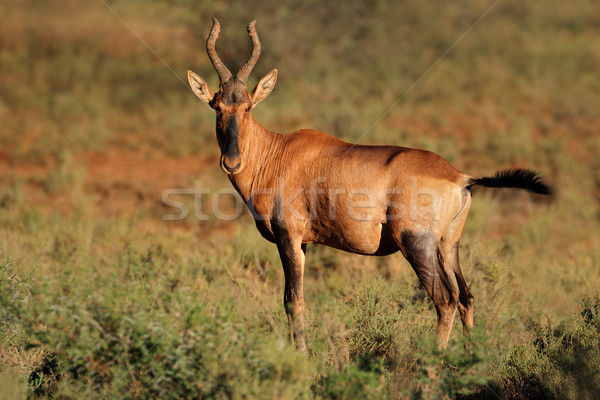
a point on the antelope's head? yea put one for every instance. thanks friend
(232, 103)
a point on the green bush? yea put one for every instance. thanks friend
(353, 382)
(445, 373)
(560, 362)
(373, 328)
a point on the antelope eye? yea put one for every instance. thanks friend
(248, 108)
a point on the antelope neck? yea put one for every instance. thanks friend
(259, 147)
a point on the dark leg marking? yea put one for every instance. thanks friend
(422, 252)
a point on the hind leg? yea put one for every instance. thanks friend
(422, 252)
(451, 265)
(448, 250)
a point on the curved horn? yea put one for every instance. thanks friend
(222, 70)
(244, 72)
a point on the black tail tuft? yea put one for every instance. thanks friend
(518, 178)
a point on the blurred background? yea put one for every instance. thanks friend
(97, 120)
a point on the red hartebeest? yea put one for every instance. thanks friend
(309, 187)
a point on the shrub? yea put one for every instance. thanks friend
(373, 325)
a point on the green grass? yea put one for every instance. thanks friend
(100, 298)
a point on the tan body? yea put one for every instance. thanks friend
(351, 186)
(309, 187)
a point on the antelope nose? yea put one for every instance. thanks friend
(232, 169)
(230, 166)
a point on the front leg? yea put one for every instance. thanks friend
(292, 254)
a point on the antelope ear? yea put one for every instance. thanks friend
(264, 87)
(200, 88)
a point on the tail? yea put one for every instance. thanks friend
(518, 178)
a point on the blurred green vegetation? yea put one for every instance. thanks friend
(100, 298)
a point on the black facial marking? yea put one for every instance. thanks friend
(228, 136)
(231, 138)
